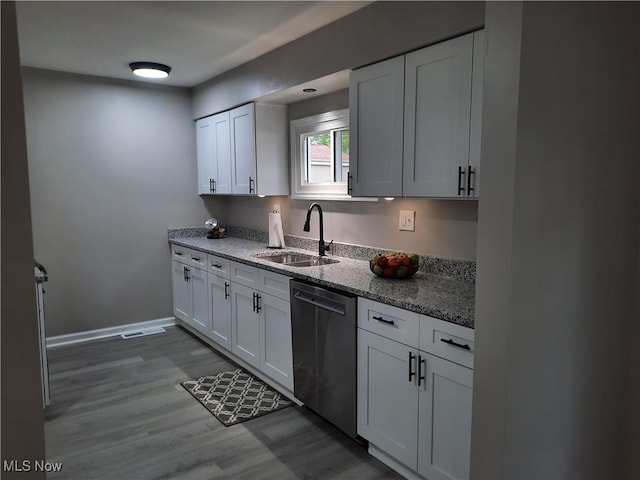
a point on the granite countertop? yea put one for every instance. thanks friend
(448, 298)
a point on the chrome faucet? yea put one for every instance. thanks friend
(322, 249)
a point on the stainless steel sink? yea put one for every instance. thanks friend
(296, 259)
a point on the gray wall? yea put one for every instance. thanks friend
(376, 32)
(558, 235)
(22, 417)
(112, 166)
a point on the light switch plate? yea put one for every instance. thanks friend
(407, 220)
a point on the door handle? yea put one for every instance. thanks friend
(420, 375)
(226, 290)
(470, 188)
(455, 344)
(251, 187)
(412, 357)
(383, 320)
(461, 172)
(258, 307)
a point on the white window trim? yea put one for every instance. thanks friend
(320, 191)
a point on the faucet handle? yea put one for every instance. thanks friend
(327, 247)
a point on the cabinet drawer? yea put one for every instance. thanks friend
(390, 322)
(447, 340)
(180, 254)
(245, 274)
(274, 284)
(198, 259)
(189, 256)
(219, 266)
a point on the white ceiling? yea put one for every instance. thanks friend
(198, 39)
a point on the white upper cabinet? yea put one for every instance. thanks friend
(214, 154)
(434, 147)
(376, 102)
(204, 153)
(243, 151)
(437, 115)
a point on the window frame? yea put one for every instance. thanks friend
(302, 127)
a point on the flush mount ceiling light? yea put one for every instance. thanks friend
(308, 90)
(150, 70)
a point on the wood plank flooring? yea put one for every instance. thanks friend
(118, 412)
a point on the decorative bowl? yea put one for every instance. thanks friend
(394, 264)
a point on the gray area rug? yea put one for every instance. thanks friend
(235, 396)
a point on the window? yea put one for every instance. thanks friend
(320, 156)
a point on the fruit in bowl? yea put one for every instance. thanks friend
(394, 264)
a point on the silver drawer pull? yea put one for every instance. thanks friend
(459, 345)
(383, 320)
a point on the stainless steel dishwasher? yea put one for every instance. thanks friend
(323, 323)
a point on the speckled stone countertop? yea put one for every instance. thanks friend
(449, 298)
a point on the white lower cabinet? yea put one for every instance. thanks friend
(261, 321)
(200, 319)
(276, 357)
(190, 297)
(245, 323)
(243, 309)
(444, 424)
(220, 310)
(387, 401)
(414, 406)
(182, 301)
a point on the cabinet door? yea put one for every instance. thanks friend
(376, 95)
(245, 325)
(444, 441)
(437, 115)
(199, 291)
(473, 183)
(387, 399)
(221, 152)
(182, 302)
(243, 150)
(205, 155)
(220, 310)
(276, 357)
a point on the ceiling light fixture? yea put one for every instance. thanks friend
(150, 70)
(308, 90)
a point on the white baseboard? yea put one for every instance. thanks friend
(90, 335)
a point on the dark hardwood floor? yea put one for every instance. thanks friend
(118, 412)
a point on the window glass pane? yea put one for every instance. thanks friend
(341, 155)
(326, 157)
(319, 161)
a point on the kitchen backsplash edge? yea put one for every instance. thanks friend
(451, 267)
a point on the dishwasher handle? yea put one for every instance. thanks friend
(320, 302)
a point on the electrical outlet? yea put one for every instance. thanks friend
(407, 220)
(276, 208)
